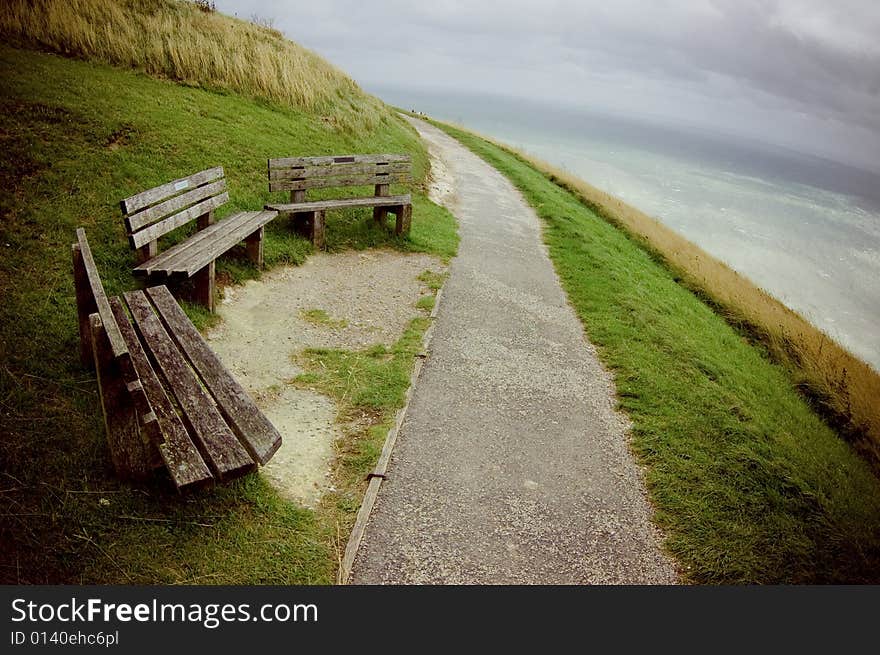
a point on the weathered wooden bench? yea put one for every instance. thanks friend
(154, 213)
(299, 174)
(166, 397)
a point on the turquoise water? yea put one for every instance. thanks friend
(805, 229)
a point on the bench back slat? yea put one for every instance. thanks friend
(326, 182)
(91, 291)
(339, 170)
(302, 173)
(156, 212)
(285, 162)
(159, 193)
(177, 220)
(152, 214)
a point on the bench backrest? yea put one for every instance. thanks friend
(297, 174)
(124, 402)
(156, 212)
(92, 299)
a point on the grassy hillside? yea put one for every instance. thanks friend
(749, 484)
(76, 138)
(176, 40)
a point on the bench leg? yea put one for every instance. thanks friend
(203, 280)
(203, 287)
(404, 220)
(311, 226)
(127, 450)
(205, 220)
(318, 230)
(302, 223)
(254, 246)
(380, 215)
(147, 252)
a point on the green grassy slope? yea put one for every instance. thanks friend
(748, 483)
(77, 137)
(193, 45)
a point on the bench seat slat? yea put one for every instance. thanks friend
(282, 162)
(251, 426)
(175, 221)
(337, 170)
(339, 203)
(138, 220)
(194, 261)
(215, 440)
(327, 182)
(161, 263)
(183, 461)
(203, 247)
(163, 191)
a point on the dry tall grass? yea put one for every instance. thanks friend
(842, 387)
(172, 39)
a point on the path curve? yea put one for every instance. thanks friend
(512, 465)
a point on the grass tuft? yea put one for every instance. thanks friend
(375, 378)
(432, 279)
(321, 318)
(426, 303)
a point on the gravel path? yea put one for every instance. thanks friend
(512, 465)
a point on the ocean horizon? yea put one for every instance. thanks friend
(804, 228)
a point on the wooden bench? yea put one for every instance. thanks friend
(152, 214)
(166, 397)
(299, 174)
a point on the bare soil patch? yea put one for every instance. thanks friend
(363, 298)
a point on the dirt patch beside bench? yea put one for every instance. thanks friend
(347, 301)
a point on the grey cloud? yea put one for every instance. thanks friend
(813, 58)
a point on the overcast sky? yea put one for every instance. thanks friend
(803, 73)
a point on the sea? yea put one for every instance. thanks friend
(804, 228)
